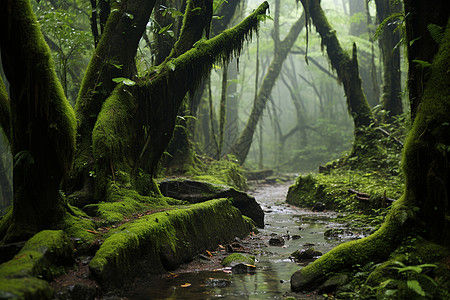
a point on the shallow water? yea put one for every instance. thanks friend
(273, 265)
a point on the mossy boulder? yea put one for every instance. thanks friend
(198, 191)
(162, 241)
(237, 258)
(42, 258)
(305, 192)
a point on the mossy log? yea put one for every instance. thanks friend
(162, 241)
(42, 258)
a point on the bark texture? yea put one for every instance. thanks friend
(391, 98)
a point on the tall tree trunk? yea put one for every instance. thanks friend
(391, 98)
(423, 210)
(242, 146)
(42, 124)
(347, 70)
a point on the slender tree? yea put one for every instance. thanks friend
(242, 146)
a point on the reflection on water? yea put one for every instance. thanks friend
(274, 268)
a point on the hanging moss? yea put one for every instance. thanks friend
(5, 111)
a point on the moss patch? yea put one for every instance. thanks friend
(164, 240)
(332, 189)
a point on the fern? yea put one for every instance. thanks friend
(436, 32)
(388, 21)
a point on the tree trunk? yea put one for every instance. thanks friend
(347, 70)
(391, 98)
(242, 146)
(42, 124)
(149, 109)
(423, 211)
(113, 58)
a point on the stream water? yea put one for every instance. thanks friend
(273, 265)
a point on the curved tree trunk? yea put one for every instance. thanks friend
(424, 208)
(42, 124)
(242, 146)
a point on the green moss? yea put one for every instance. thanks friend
(164, 240)
(43, 256)
(76, 226)
(238, 258)
(332, 189)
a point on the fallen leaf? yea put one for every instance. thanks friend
(92, 231)
(209, 253)
(186, 285)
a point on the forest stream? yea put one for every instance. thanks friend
(205, 278)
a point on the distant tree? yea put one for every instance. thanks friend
(282, 48)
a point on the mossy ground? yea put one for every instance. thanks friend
(332, 190)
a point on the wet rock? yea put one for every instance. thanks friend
(197, 191)
(80, 290)
(217, 282)
(309, 253)
(296, 237)
(243, 269)
(276, 241)
(339, 233)
(318, 206)
(333, 283)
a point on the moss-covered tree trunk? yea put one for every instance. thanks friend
(113, 58)
(423, 45)
(348, 74)
(42, 124)
(242, 146)
(423, 211)
(391, 99)
(136, 122)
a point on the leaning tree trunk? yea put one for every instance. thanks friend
(347, 71)
(42, 124)
(242, 146)
(424, 208)
(391, 99)
(136, 123)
